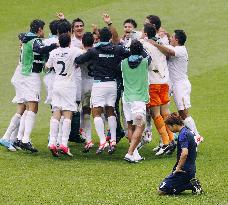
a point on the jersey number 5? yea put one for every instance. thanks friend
(63, 68)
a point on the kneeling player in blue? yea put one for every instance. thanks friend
(183, 176)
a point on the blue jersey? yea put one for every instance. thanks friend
(186, 140)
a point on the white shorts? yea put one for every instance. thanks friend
(104, 94)
(48, 82)
(17, 82)
(64, 98)
(31, 87)
(181, 94)
(86, 92)
(131, 109)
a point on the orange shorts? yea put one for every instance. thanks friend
(159, 95)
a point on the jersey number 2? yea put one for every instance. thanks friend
(63, 68)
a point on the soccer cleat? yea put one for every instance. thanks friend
(88, 146)
(171, 149)
(137, 156)
(112, 147)
(198, 139)
(197, 189)
(129, 158)
(101, 148)
(7, 144)
(54, 150)
(28, 146)
(17, 144)
(162, 150)
(82, 133)
(156, 149)
(65, 150)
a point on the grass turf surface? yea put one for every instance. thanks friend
(91, 179)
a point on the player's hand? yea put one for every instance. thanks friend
(107, 18)
(60, 15)
(152, 41)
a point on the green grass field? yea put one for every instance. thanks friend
(89, 179)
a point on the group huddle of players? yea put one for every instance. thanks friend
(92, 73)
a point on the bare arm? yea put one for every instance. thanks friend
(182, 160)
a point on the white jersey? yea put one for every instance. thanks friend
(75, 42)
(178, 64)
(158, 69)
(52, 39)
(62, 59)
(134, 35)
(162, 40)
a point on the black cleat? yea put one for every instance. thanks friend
(171, 148)
(28, 146)
(197, 189)
(17, 144)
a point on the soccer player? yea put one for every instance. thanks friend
(181, 87)
(87, 82)
(135, 96)
(33, 51)
(64, 92)
(183, 175)
(159, 91)
(11, 133)
(105, 58)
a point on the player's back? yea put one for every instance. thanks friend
(65, 68)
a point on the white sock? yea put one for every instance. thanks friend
(112, 126)
(87, 127)
(60, 132)
(22, 126)
(54, 127)
(190, 123)
(14, 123)
(14, 134)
(29, 124)
(99, 126)
(66, 131)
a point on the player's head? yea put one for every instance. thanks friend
(154, 20)
(87, 40)
(129, 25)
(179, 37)
(37, 27)
(105, 34)
(64, 40)
(53, 26)
(136, 47)
(174, 122)
(78, 27)
(63, 27)
(149, 31)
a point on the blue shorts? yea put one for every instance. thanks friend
(176, 183)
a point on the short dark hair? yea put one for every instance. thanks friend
(53, 26)
(77, 20)
(136, 47)
(63, 27)
(87, 39)
(181, 36)
(131, 21)
(150, 30)
(36, 24)
(64, 40)
(174, 119)
(105, 34)
(154, 20)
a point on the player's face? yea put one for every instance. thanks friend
(173, 40)
(78, 29)
(128, 28)
(173, 128)
(40, 33)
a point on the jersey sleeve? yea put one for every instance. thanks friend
(84, 57)
(178, 51)
(50, 61)
(39, 47)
